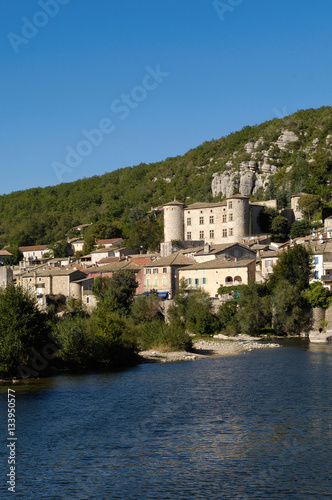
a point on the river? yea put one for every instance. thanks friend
(255, 425)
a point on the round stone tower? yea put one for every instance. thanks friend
(173, 221)
(238, 210)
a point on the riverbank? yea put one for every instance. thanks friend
(205, 348)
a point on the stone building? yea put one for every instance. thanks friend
(210, 275)
(6, 276)
(162, 275)
(45, 282)
(224, 222)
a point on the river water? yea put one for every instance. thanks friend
(255, 425)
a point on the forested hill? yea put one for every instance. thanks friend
(119, 200)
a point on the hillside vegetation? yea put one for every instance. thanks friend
(119, 200)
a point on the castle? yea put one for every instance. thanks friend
(227, 221)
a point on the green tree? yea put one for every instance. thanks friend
(317, 295)
(266, 217)
(251, 315)
(295, 266)
(61, 249)
(227, 316)
(89, 244)
(279, 225)
(23, 330)
(291, 313)
(146, 308)
(116, 293)
(193, 311)
(300, 228)
(309, 204)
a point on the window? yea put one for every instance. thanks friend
(201, 235)
(269, 263)
(148, 281)
(230, 217)
(196, 271)
(224, 233)
(211, 219)
(39, 279)
(189, 221)
(230, 204)
(155, 282)
(201, 220)
(164, 270)
(316, 275)
(189, 235)
(148, 271)
(224, 218)
(164, 281)
(230, 231)
(189, 272)
(196, 281)
(189, 281)
(155, 270)
(87, 300)
(212, 234)
(204, 281)
(316, 260)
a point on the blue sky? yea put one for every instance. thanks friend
(151, 78)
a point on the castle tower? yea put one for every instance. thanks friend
(173, 226)
(173, 221)
(238, 212)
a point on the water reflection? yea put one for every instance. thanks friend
(250, 426)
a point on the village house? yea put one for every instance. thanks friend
(268, 260)
(230, 251)
(109, 252)
(113, 242)
(210, 275)
(34, 252)
(76, 244)
(47, 282)
(81, 227)
(162, 275)
(109, 269)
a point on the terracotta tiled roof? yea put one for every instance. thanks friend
(115, 266)
(197, 205)
(175, 259)
(108, 242)
(4, 253)
(220, 264)
(35, 247)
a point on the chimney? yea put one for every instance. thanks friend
(206, 248)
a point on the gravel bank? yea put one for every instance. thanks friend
(205, 349)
